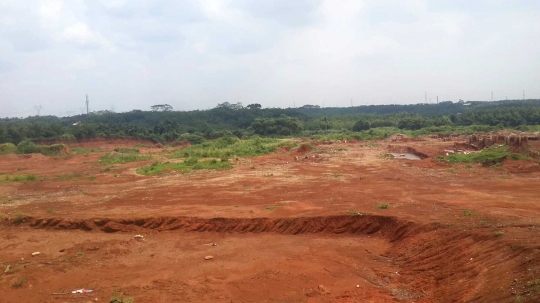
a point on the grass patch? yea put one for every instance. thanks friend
(18, 282)
(115, 158)
(228, 147)
(7, 148)
(51, 210)
(273, 207)
(336, 175)
(452, 170)
(489, 156)
(80, 150)
(469, 213)
(19, 218)
(118, 297)
(2, 214)
(535, 284)
(71, 176)
(186, 166)
(20, 178)
(383, 206)
(92, 178)
(498, 234)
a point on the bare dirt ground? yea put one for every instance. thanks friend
(293, 226)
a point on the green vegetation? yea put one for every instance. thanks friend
(273, 207)
(535, 284)
(118, 297)
(498, 234)
(226, 119)
(70, 176)
(80, 254)
(489, 156)
(186, 166)
(92, 178)
(18, 282)
(469, 213)
(7, 148)
(51, 210)
(28, 147)
(2, 214)
(19, 178)
(383, 206)
(230, 146)
(80, 150)
(19, 218)
(117, 158)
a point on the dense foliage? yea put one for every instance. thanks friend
(164, 125)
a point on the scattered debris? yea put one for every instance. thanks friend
(139, 236)
(209, 257)
(7, 268)
(357, 286)
(35, 253)
(81, 291)
(211, 244)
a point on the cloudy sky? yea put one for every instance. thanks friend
(131, 54)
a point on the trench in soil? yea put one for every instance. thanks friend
(431, 261)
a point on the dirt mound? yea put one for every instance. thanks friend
(303, 149)
(520, 166)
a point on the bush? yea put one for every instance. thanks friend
(361, 125)
(7, 148)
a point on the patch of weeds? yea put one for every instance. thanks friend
(336, 175)
(120, 158)
(452, 170)
(2, 214)
(506, 177)
(20, 178)
(188, 164)
(116, 175)
(19, 218)
(80, 254)
(382, 206)
(6, 201)
(118, 297)
(273, 207)
(469, 213)
(71, 176)
(79, 150)
(518, 299)
(108, 168)
(516, 245)
(85, 192)
(18, 282)
(498, 234)
(489, 156)
(535, 283)
(92, 178)
(51, 210)
(268, 175)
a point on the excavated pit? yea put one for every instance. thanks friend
(432, 262)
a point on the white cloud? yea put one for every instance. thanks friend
(82, 35)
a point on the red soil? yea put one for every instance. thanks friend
(287, 231)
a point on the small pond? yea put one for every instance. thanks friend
(407, 156)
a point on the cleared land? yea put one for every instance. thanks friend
(340, 223)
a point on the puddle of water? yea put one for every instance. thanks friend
(407, 156)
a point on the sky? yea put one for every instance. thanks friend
(132, 54)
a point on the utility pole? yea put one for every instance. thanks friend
(425, 97)
(38, 109)
(351, 102)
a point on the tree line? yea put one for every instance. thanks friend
(162, 124)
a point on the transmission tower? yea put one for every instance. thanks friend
(87, 102)
(38, 109)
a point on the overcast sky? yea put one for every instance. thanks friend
(131, 54)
